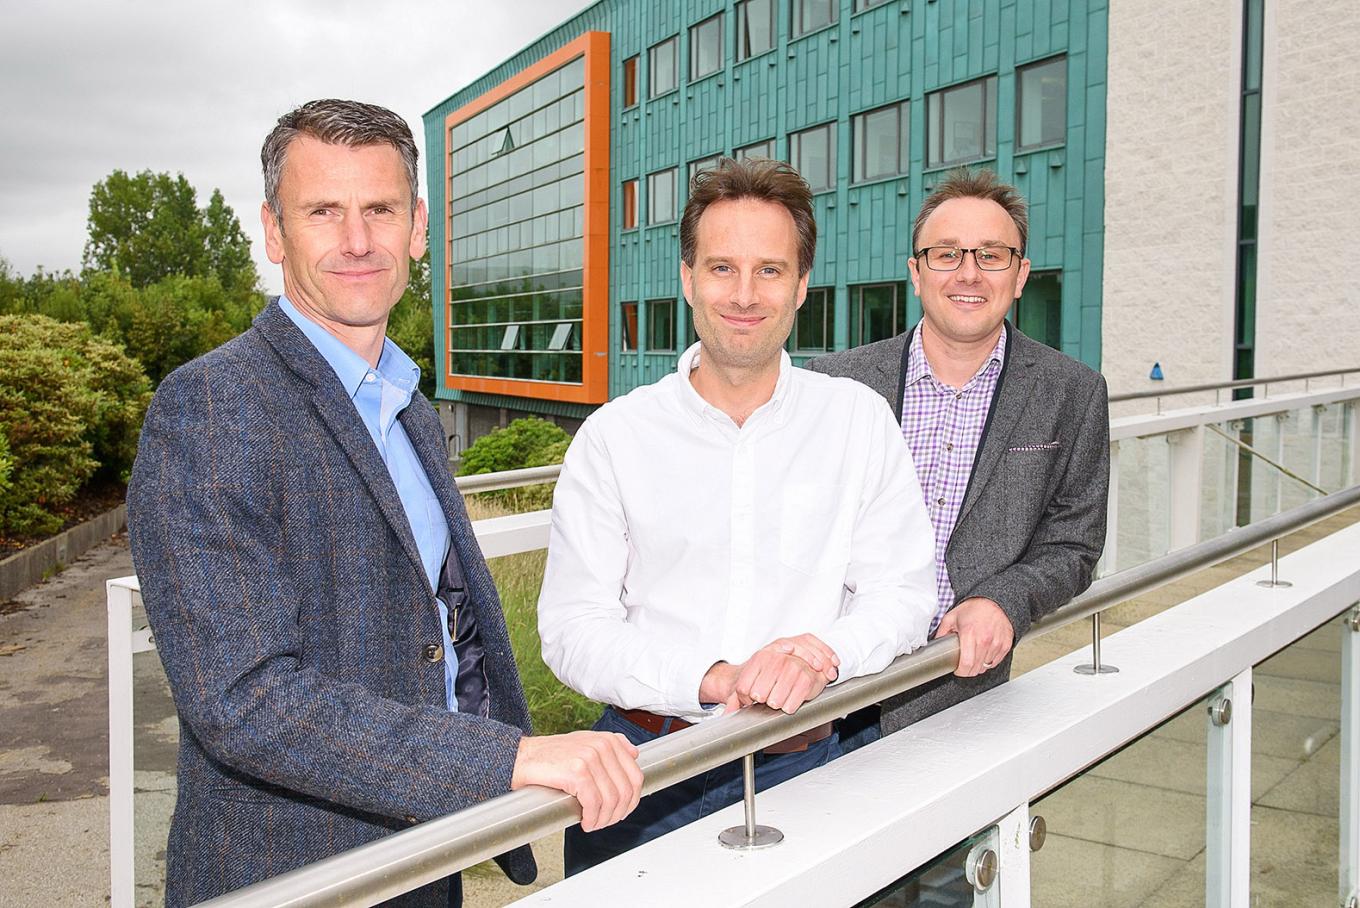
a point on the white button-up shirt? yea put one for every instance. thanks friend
(680, 539)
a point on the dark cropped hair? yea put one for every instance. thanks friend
(965, 183)
(753, 178)
(350, 123)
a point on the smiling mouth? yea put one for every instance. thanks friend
(357, 275)
(742, 321)
(967, 299)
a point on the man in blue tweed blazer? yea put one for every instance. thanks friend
(333, 640)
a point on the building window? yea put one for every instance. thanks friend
(661, 326)
(661, 197)
(756, 150)
(755, 28)
(812, 327)
(810, 15)
(661, 68)
(706, 47)
(881, 147)
(877, 312)
(630, 92)
(960, 123)
(813, 154)
(628, 329)
(1038, 313)
(630, 204)
(700, 166)
(862, 5)
(1042, 103)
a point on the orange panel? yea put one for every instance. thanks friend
(594, 386)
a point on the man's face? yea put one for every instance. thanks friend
(348, 233)
(744, 288)
(967, 305)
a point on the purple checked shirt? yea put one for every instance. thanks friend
(943, 428)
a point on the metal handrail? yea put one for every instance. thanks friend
(1228, 385)
(507, 479)
(432, 850)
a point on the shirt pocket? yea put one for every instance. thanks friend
(814, 527)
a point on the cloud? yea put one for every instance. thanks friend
(193, 87)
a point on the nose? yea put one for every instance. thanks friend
(355, 239)
(968, 270)
(744, 290)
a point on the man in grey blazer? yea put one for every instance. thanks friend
(1010, 437)
(332, 636)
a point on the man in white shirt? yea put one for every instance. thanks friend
(739, 532)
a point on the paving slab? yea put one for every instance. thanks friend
(1314, 699)
(1183, 889)
(1293, 859)
(1274, 734)
(1159, 762)
(55, 853)
(1313, 787)
(1112, 812)
(1075, 872)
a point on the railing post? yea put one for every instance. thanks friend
(1319, 414)
(1349, 813)
(1015, 833)
(1185, 469)
(749, 836)
(121, 870)
(1352, 433)
(1227, 867)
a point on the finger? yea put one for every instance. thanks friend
(764, 681)
(806, 653)
(783, 685)
(825, 649)
(616, 764)
(800, 692)
(606, 795)
(967, 666)
(948, 625)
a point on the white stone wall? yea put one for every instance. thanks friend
(1308, 307)
(1170, 192)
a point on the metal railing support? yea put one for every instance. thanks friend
(1185, 472)
(122, 882)
(1227, 828)
(1015, 841)
(1349, 813)
(749, 835)
(1352, 432)
(1096, 667)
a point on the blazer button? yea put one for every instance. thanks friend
(434, 652)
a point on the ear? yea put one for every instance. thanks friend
(802, 289)
(273, 234)
(914, 269)
(1021, 277)
(420, 225)
(687, 282)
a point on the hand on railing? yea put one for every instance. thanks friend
(598, 769)
(985, 635)
(784, 674)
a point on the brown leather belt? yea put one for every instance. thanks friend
(653, 723)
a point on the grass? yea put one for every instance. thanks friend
(554, 708)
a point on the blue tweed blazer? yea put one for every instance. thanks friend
(292, 614)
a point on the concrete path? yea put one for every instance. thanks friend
(1130, 831)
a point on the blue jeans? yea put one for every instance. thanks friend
(684, 802)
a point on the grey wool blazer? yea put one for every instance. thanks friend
(1032, 523)
(293, 616)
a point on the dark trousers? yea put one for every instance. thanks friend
(683, 803)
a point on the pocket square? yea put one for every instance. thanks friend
(1037, 446)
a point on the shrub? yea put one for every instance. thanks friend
(5, 464)
(69, 401)
(527, 442)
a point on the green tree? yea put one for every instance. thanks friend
(410, 325)
(148, 226)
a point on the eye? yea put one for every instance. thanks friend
(722, 269)
(989, 255)
(320, 212)
(947, 255)
(770, 270)
(381, 209)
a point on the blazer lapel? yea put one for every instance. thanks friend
(1012, 397)
(338, 412)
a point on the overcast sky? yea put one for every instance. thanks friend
(193, 87)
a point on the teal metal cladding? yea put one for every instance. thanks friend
(900, 50)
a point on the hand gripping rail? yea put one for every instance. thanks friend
(408, 859)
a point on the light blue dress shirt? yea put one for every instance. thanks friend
(379, 395)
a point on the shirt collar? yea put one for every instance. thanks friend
(918, 367)
(694, 402)
(393, 364)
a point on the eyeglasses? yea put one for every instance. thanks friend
(949, 258)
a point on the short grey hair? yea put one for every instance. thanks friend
(335, 122)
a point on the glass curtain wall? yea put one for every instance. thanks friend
(516, 233)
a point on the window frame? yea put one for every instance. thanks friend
(743, 29)
(795, 150)
(628, 339)
(858, 337)
(862, 6)
(694, 46)
(651, 196)
(1020, 72)
(796, 7)
(630, 81)
(629, 213)
(652, 92)
(858, 146)
(828, 302)
(744, 152)
(988, 85)
(652, 305)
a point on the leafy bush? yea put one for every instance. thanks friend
(5, 464)
(527, 442)
(512, 447)
(69, 403)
